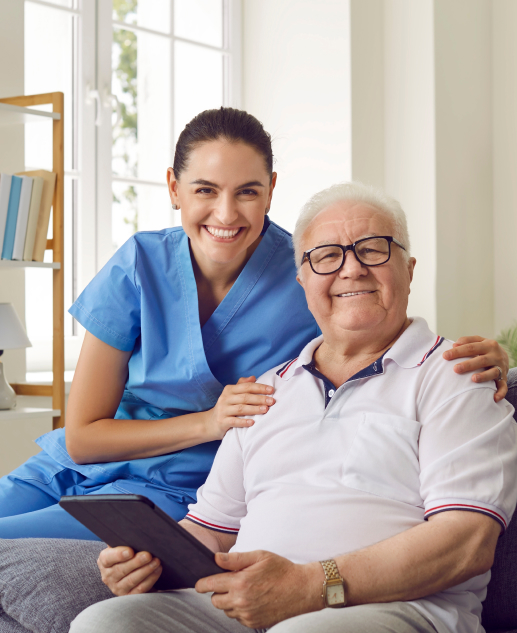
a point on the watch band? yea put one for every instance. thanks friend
(334, 593)
(330, 569)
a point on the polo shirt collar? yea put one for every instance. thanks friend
(415, 345)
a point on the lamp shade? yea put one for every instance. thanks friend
(12, 332)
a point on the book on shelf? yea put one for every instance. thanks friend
(47, 195)
(23, 217)
(12, 216)
(32, 223)
(25, 204)
(5, 190)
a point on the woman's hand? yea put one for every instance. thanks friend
(488, 355)
(127, 573)
(247, 397)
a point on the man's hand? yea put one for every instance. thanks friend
(484, 354)
(264, 589)
(127, 573)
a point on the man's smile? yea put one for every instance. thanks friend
(353, 294)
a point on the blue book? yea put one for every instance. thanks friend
(12, 217)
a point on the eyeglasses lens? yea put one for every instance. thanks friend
(372, 252)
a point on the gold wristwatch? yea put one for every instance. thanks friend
(334, 586)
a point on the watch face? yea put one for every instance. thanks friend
(335, 595)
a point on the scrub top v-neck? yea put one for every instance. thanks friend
(145, 301)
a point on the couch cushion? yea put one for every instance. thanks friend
(500, 606)
(45, 583)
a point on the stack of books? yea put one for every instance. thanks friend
(25, 203)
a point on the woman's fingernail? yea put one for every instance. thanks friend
(251, 422)
(270, 401)
(144, 557)
(263, 408)
(447, 355)
(269, 389)
(459, 367)
(223, 556)
(154, 563)
(126, 553)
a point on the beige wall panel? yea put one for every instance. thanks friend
(296, 80)
(463, 84)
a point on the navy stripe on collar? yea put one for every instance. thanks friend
(374, 369)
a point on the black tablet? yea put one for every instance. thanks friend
(135, 521)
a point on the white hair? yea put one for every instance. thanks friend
(357, 192)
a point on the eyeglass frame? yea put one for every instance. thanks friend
(351, 247)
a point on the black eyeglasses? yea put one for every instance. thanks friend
(370, 251)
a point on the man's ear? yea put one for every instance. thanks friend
(411, 270)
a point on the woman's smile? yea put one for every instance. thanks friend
(221, 234)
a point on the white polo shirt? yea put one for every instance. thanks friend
(328, 471)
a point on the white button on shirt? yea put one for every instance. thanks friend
(310, 482)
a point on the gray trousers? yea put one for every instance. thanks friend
(189, 612)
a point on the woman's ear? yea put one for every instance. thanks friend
(172, 184)
(271, 187)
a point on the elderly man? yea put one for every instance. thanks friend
(378, 482)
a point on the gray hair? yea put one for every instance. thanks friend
(357, 192)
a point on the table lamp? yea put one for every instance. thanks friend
(12, 336)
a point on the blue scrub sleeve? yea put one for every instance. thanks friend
(109, 307)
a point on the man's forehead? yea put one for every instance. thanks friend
(350, 219)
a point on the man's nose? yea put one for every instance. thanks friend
(352, 267)
(225, 210)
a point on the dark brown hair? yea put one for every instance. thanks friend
(226, 123)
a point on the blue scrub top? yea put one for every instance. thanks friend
(145, 300)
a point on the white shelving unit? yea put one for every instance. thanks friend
(11, 263)
(14, 115)
(36, 401)
(28, 407)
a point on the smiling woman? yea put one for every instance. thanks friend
(179, 322)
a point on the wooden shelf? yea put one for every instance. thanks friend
(28, 407)
(13, 263)
(16, 115)
(20, 110)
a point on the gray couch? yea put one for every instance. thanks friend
(45, 583)
(500, 606)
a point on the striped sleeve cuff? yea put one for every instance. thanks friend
(455, 504)
(212, 526)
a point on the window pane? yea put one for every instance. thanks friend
(199, 20)
(139, 208)
(49, 62)
(151, 14)
(198, 82)
(142, 83)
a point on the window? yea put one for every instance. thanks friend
(133, 73)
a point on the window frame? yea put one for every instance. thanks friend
(92, 230)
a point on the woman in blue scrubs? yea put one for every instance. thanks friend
(174, 321)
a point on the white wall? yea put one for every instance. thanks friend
(504, 113)
(296, 68)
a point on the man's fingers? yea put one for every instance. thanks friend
(236, 561)
(114, 555)
(140, 580)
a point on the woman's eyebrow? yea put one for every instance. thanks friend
(207, 183)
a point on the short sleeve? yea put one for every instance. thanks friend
(109, 306)
(468, 456)
(221, 500)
